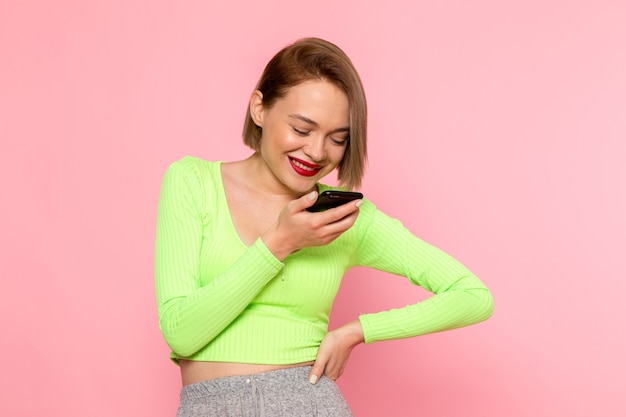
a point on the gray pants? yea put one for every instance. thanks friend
(284, 393)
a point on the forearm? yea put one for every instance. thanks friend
(459, 297)
(191, 320)
(445, 311)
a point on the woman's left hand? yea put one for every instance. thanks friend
(335, 350)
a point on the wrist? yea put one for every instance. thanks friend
(278, 247)
(353, 333)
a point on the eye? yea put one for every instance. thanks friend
(340, 141)
(300, 131)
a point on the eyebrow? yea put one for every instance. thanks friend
(314, 123)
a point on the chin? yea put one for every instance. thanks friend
(302, 186)
(302, 189)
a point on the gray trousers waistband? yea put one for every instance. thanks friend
(285, 393)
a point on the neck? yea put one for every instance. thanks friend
(257, 175)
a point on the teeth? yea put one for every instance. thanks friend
(302, 166)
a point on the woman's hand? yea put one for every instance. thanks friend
(335, 350)
(297, 228)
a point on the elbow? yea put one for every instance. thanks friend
(483, 306)
(183, 350)
(176, 338)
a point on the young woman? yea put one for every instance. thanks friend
(246, 276)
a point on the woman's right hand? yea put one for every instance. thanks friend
(297, 228)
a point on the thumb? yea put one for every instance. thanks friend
(307, 200)
(317, 370)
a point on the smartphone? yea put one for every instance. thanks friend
(334, 198)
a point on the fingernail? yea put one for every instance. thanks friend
(311, 196)
(358, 203)
(313, 379)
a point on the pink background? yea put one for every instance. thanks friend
(498, 133)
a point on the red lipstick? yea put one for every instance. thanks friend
(306, 169)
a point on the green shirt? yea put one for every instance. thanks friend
(220, 300)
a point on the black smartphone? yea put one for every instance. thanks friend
(333, 198)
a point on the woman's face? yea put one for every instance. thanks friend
(304, 134)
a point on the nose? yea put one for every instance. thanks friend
(316, 148)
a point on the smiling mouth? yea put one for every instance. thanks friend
(304, 168)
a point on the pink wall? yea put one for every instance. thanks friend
(498, 132)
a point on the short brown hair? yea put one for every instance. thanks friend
(314, 58)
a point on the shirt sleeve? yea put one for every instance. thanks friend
(459, 297)
(191, 315)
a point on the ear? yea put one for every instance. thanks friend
(256, 108)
